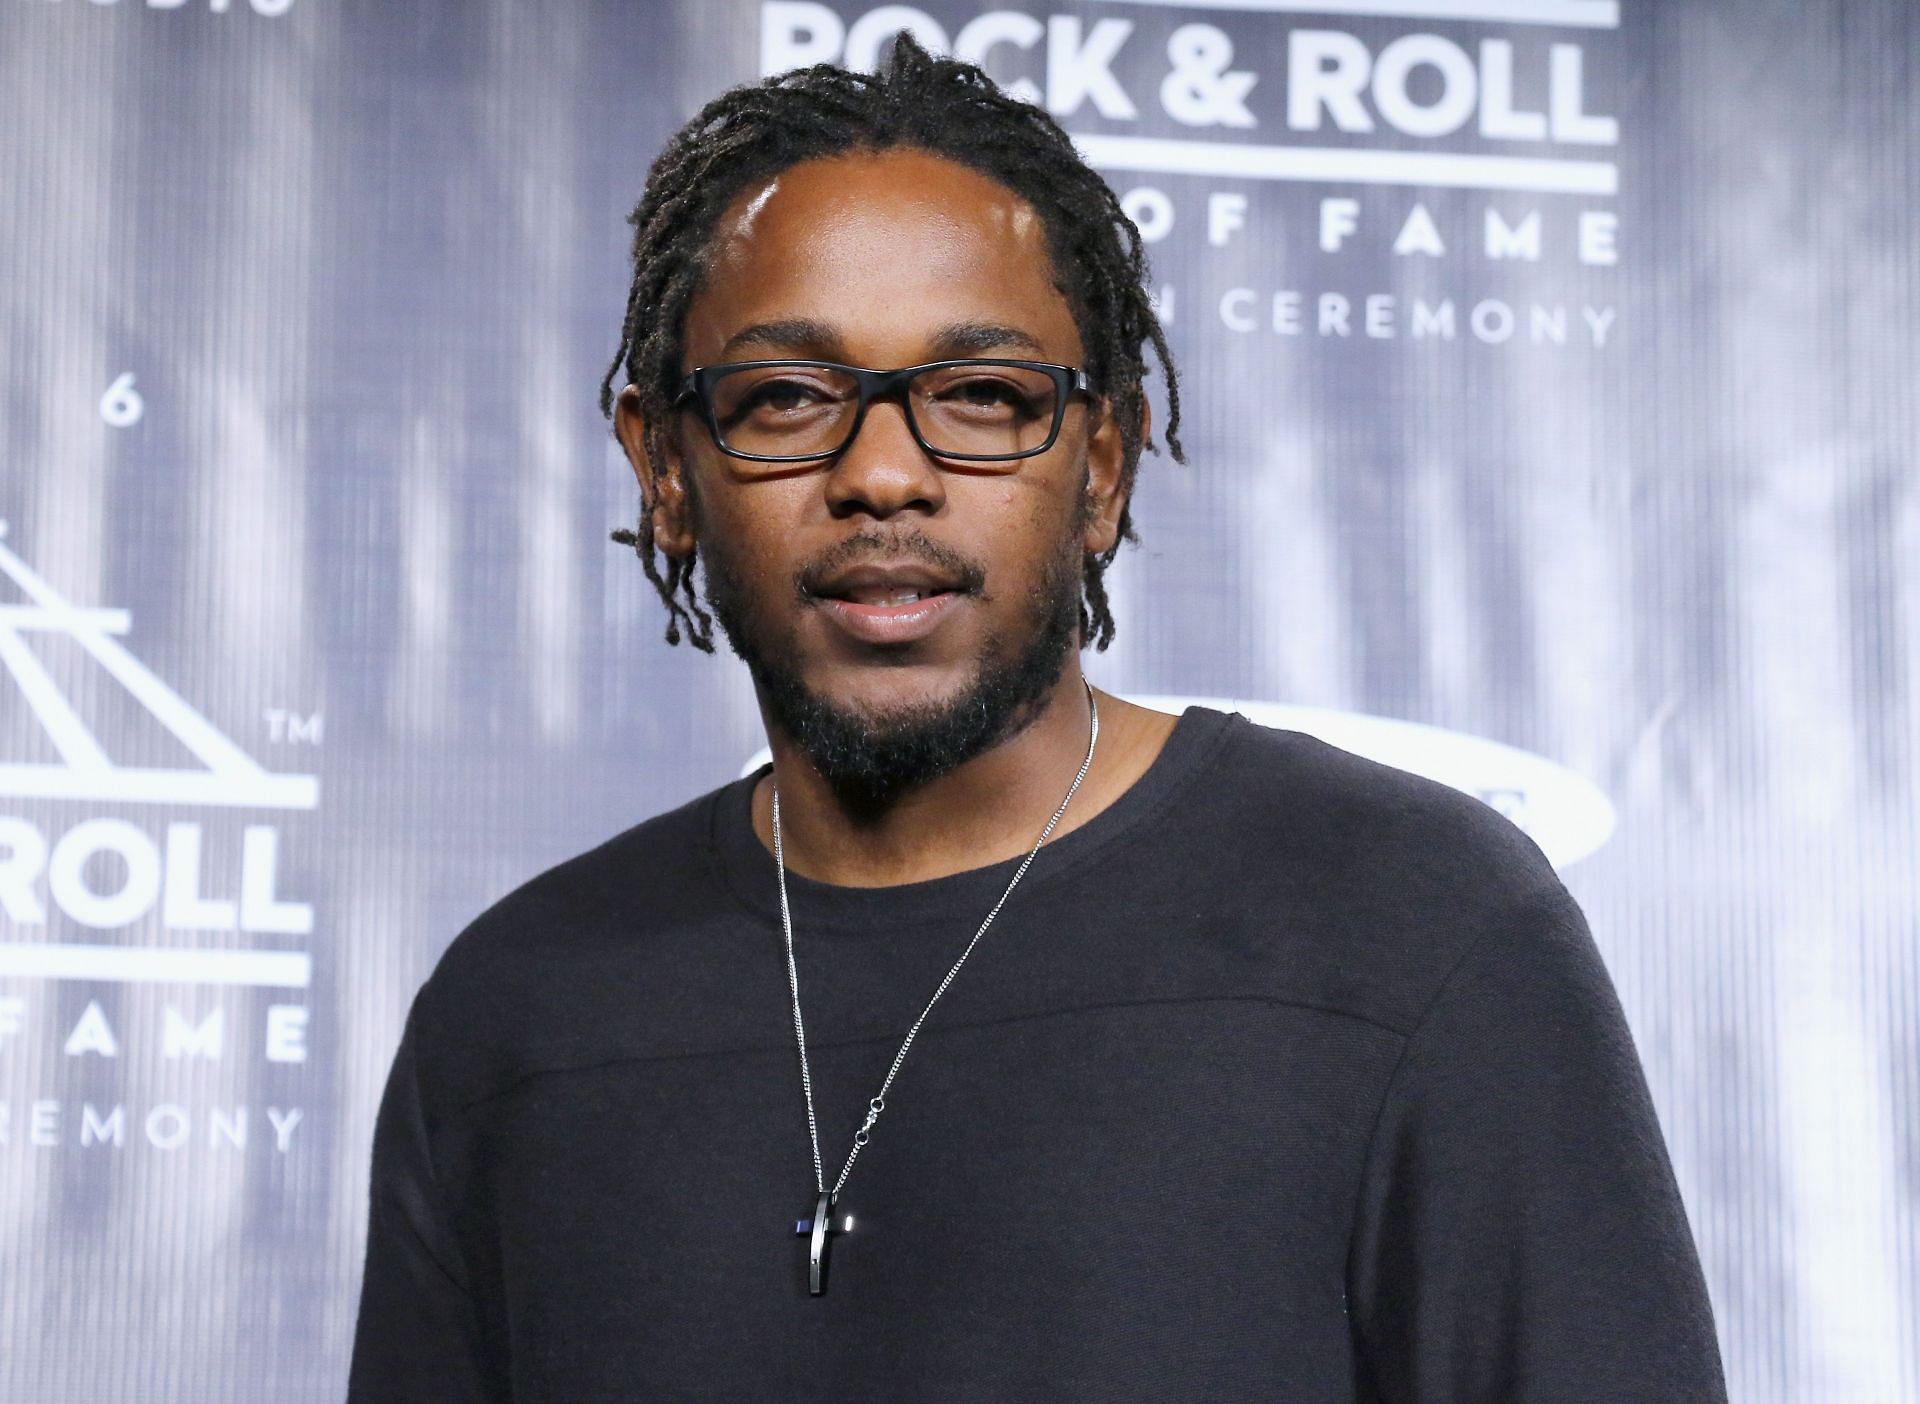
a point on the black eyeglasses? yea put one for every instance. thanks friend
(974, 410)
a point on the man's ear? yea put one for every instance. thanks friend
(1106, 457)
(661, 484)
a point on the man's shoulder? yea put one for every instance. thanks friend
(1386, 877)
(613, 900)
(1292, 789)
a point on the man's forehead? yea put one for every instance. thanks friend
(866, 239)
(901, 186)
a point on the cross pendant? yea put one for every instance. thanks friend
(818, 1229)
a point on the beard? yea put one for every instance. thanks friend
(871, 756)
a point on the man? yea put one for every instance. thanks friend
(999, 1040)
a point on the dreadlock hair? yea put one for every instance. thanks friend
(947, 109)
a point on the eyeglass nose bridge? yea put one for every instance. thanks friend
(884, 385)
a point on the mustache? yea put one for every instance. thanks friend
(902, 544)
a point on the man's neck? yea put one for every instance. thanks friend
(987, 810)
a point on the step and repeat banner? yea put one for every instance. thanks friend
(1550, 375)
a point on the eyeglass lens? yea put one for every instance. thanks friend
(787, 411)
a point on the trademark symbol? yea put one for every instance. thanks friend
(293, 729)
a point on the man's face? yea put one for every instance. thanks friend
(884, 260)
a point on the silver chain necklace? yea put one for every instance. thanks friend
(821, 1225)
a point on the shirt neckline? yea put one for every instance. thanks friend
(746, 869)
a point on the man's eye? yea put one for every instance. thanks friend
(986, 393)
(783, 396)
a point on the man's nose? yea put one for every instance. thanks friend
(884, 470)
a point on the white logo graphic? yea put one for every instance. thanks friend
(161, 875)
(1565, 813)
(85, 772)
(1331, 78)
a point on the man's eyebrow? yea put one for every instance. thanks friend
(787, 334)
(808, 335)
(972, 338)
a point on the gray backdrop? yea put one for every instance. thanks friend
(1550, 371)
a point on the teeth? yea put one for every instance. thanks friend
(885, 597)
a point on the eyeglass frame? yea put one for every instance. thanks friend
(877, 384)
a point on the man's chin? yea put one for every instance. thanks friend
(886, 698)
(874, 738)
(875, 743)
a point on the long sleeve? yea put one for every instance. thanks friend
(1520, 1235)
(418, 1336)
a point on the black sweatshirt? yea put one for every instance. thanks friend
(1289, 1076)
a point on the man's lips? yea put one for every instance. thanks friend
(897, 601)
(884, 582)
(875, 623)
